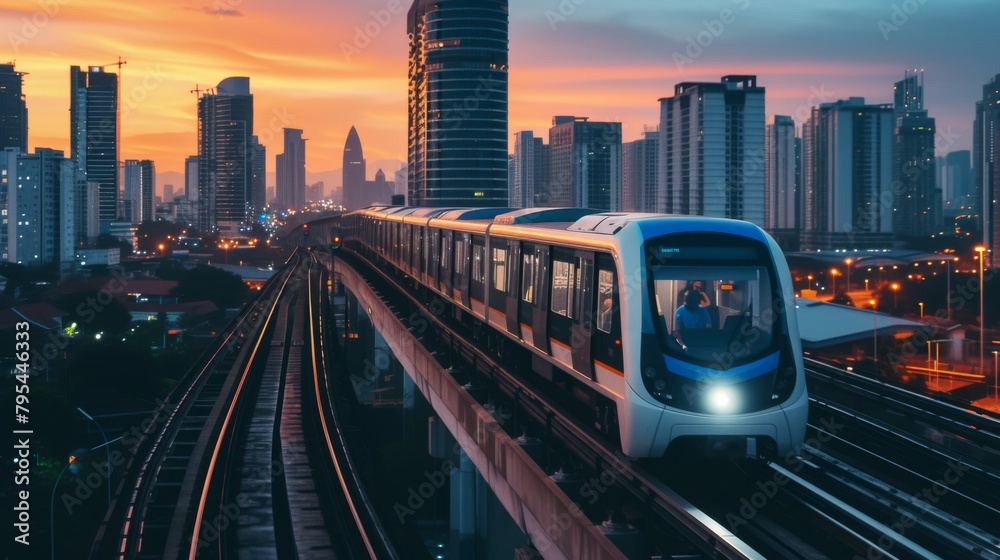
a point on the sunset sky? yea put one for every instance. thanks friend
(326, 65)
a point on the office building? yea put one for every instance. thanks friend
(847, 165)
(916, 198)
(225, 157)
(13, 109)
(290, 166)
(457, 106)
(530, 175)
(94, 134)
(585, 164)
(354, 171)
(640, 167)
(191, 178)
(140, 182)
(712, 149)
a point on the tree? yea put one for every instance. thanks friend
(93, 313)
(203, 282)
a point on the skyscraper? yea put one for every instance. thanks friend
(291, 171)
(585, 164)
(531, 170)
(225, 156)
(847, 161)
(984, 147)
(39, 189)
(457, 114)
(712, 149)
(13, 110)
(354, 171)
(781, 203)
(916, 198)
(140, 182)
(258, 180)
(640, 166)
(93, 118)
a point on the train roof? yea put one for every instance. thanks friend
(543, 215)
(464, 214)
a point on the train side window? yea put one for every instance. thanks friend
(529, 277)
(499, 270)
(461, 256)
(565, 285)
(606, 298)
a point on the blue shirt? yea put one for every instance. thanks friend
(688, 319)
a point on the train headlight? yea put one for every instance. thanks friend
(721, 400)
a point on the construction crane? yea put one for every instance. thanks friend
(197, 91)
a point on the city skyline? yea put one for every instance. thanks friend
(569, 57)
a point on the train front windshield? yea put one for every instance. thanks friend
(714, 298)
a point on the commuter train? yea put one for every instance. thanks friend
(597, 298)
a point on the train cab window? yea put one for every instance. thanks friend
(606, 297)
(565, 286)
(714, 301)
(529, 277)
(478, 262)
(499, 269)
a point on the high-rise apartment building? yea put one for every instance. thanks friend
(781, 197)
(37, 191)
(191, 178)
(457, 113)
(712, 149)
(530, 175)
(847, 162)
(986, 130)
(140, 182)
(640, 167)
(585, 164)
(225, 157)
(13, 109)
(94, 135)
(290, 166)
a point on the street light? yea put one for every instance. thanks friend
(895, 291)
(833, 273)
(108, 449)
(921, 304)
(52, 500)
(982, 318)
(947, 296)
(849, 261)
(810, 277)
(866, 284)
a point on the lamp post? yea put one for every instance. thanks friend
(921, 304)
(895, 294)
(849, 261)
(947, 296)
(52, 500)
(996, 377)
(107, 449)
(982, 319)
(874, 335)
(866, 284)
(833, 273)
(810, 277)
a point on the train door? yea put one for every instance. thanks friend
(531, 313)
(513, 273)
(460, 286)
(433, 243)
(571, 308)
(606, 342)
(477, 278)
(446, 263)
